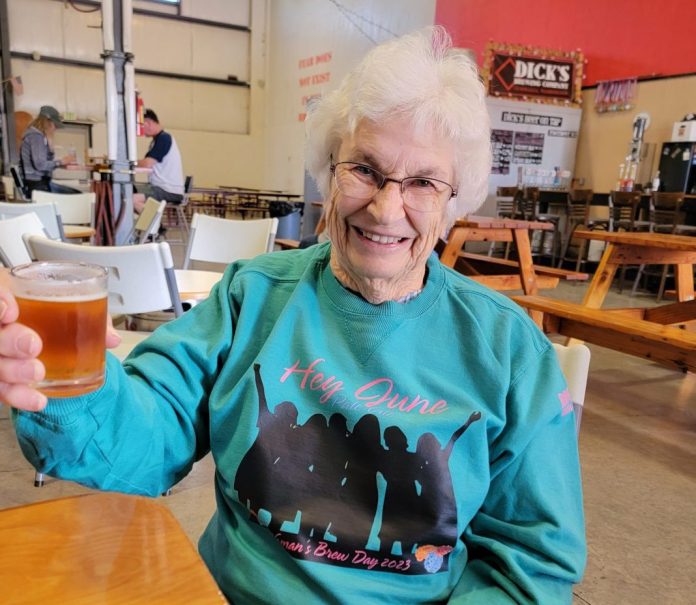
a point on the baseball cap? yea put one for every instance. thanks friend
(52, 114)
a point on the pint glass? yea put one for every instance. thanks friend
(66, 304)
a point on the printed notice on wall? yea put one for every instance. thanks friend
(541, 138)
(313, 73)
(501, 146)
(528, 148)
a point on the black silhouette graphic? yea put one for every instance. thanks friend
(318, 484)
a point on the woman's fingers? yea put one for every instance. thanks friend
(22, 397)
(18, 342)
(113, 338)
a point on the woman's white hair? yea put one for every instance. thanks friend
(421, 77)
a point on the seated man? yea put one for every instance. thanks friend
(166, 181)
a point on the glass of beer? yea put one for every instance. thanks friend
(66, 304)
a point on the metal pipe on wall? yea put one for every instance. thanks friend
(111, 109)
(108, 24)
(131, 118)
(126, 21)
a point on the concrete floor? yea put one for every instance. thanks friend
(637, 444)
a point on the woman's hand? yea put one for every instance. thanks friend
(68, 159)
(19, 366)
(19, 350)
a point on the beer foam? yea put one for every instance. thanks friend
(60, 297)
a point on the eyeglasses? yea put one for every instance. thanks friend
(363, 182)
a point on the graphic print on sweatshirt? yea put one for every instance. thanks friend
(336, 495)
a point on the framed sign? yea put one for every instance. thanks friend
(533, 74)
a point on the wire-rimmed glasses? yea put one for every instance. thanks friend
(362, 182)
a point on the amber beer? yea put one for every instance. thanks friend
(66, 304)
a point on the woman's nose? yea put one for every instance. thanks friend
(387, 204)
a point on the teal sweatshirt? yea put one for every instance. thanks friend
(419, 452)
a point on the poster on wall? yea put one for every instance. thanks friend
(533, 74)
(531, 142)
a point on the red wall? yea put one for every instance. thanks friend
(619, 38)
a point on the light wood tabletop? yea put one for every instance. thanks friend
(100, 548)
(195, 284)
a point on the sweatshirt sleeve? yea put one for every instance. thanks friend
(144, 428)
(41, 159)
(526, 544)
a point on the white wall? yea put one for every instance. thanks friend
(302, 31)
(219, 128)
(250, 137)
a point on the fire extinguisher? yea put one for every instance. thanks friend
(139, 111)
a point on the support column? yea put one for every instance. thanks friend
(120, 127)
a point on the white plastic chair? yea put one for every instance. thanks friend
(13, 252)
(77, 211)
(148, 222)
(74, 208)
(46, 211)
(575, 365)
(141, 277)
(222, 241)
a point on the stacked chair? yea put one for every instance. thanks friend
(578, 205)
(624, 207)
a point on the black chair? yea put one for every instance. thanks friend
(18, 178)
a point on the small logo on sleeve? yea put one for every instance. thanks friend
(566, 402)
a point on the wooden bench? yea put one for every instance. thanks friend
(491, 264)
(649, 333)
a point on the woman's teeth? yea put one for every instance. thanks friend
(380, 239)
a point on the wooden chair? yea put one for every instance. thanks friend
(528, 210)
(666, 216)
(577, 215)
(624, 207)
(507, 205)
(623, 211)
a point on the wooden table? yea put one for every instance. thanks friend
(666, 334)
(490, 229)
(636, 248)
(195, 284)
(100, 548)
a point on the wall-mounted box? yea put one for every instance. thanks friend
(684, 131)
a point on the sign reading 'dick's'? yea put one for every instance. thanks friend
(533, 74)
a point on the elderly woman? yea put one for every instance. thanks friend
(36, 154)
(384, 429)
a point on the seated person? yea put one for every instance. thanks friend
(384, 429)
(166, 181)
(36, 154)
